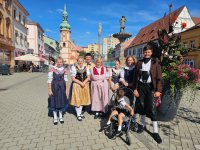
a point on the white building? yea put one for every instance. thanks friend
(35, 38)
(19, 15)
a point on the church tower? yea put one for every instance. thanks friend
(65, 31)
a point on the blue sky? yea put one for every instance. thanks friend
(84, 15)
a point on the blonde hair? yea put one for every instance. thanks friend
(79, 57)
(60, 58)
(133, 57)
(99, 59)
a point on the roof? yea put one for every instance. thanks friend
(30, 22)
(196, 20)
(149, 32)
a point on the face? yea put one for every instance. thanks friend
(59, 63)
(98, 64)
(130, 61)
(117, 65)
(80, 62)
(88, 59)
(147, 53)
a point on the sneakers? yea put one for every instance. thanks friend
(157, 138)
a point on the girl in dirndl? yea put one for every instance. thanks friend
(58, 90)
(80, 95)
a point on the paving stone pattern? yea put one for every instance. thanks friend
(25, 123)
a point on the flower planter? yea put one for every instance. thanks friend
(169, 106)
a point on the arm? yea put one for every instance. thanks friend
(158, 89)
(122, 79)
(135, 81)
(130, 109)
(50, 78)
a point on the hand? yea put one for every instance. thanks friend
(112, 88)
(132, 112)
(157, 94)
(136, 94)
(50, 92)
(125, 84)
(82, 84)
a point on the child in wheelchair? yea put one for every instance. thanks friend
(121, 109)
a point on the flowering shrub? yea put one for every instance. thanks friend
(179, 77)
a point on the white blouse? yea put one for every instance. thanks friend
(73, 71)
(122, 72)
(146, 67)
(105, 70)
(57, 70)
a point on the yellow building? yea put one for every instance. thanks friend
(93, 47)
(191, 39)
(6, 47)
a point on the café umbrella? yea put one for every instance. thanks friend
(29, 57)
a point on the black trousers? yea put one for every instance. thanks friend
(145, 103)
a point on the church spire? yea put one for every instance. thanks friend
(65, 25)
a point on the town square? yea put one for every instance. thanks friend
(92, 75)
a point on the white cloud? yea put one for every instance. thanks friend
(87, 32)
(59, 10)
(49, 30)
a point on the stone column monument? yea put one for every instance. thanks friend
(122, 36)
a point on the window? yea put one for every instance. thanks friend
(24, 20)
(21, 38)
(8, 28)
(20, 17)
(189, 62)
(16, 36)
(14, 13)
(185, 44)
(192, 44)
(7, 4)
(1, 23)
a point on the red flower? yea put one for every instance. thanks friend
(183, 25)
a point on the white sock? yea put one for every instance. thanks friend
(55, 115)
(109, 122)
(78, 110)
(143, 120)
(60, 114)
(155, 126)
(119, 128)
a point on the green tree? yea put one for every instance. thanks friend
(109, 54)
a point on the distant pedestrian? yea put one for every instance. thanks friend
(80, 96)
(58, 90)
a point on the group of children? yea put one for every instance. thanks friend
(91, 84)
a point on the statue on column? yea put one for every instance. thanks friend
(122, 23)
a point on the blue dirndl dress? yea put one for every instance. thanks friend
(58, 101)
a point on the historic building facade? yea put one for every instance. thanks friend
(6, 34)
(19, 16)
(68, 50)
(149, 33)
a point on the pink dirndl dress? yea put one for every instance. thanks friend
(99, 89)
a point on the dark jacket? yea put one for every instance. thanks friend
(155, 72)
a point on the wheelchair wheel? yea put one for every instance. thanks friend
(111, 131)
(128, 139)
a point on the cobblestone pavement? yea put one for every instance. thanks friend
(24, 123)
